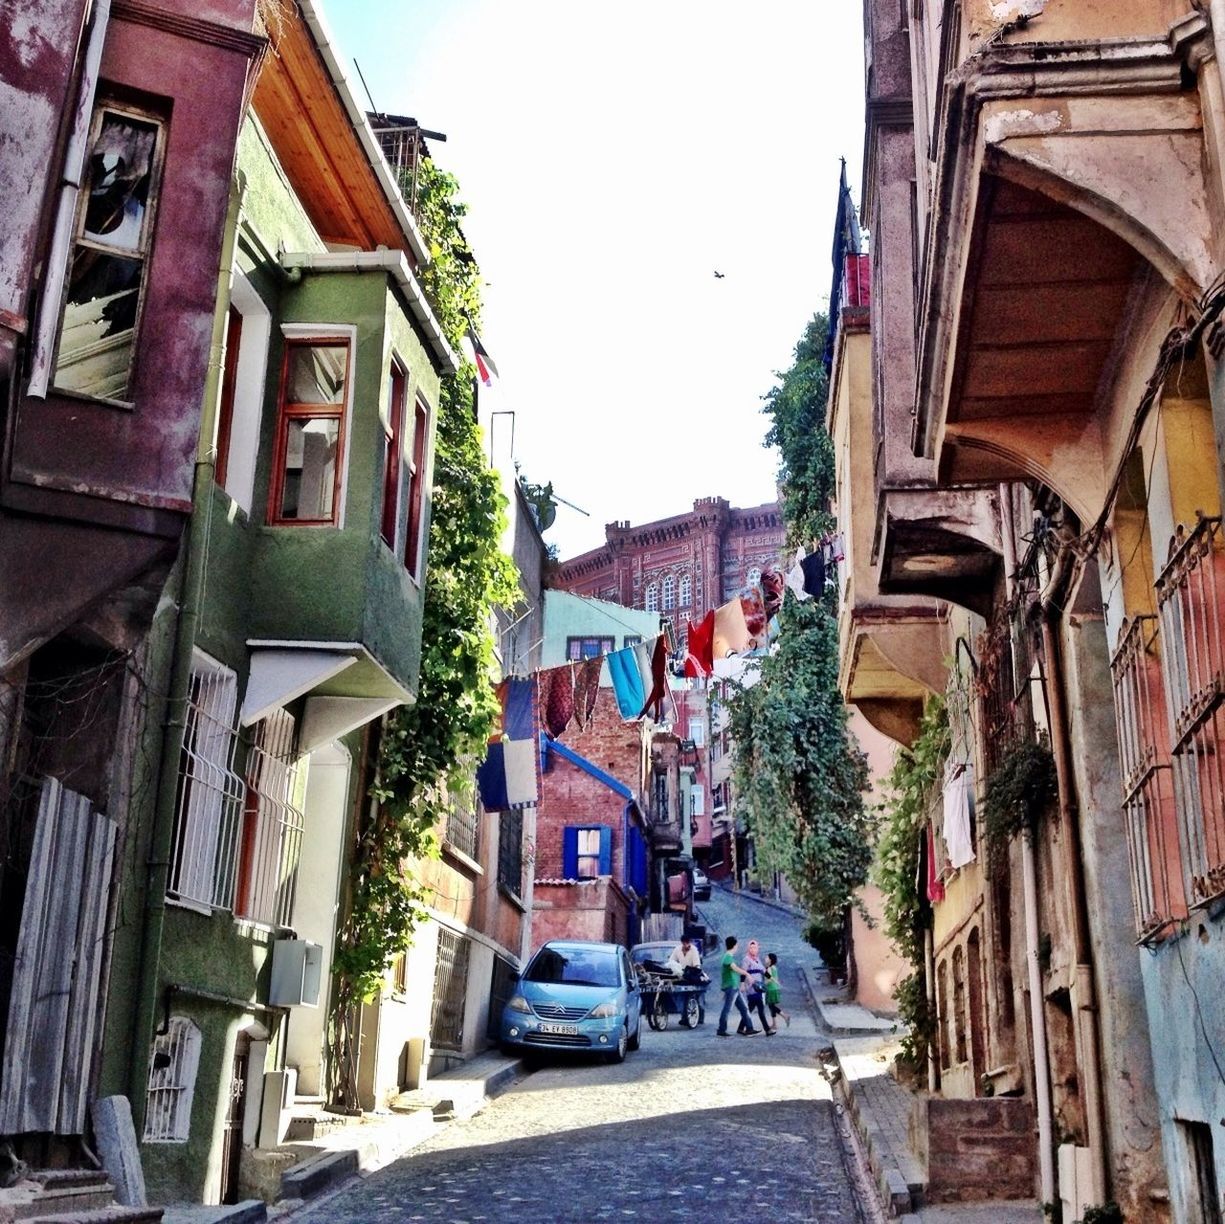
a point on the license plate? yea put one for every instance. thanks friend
(561, 1030)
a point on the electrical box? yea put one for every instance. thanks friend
(297, 973)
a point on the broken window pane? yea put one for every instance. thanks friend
(309, 488)
(118, 181)
(95, 355)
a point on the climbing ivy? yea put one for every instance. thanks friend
(1021, 789)
(909, 789)
(799, 776)
(425, 751)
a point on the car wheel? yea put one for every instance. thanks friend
(623, 1044)
(636, 1040)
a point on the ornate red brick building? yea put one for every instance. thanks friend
(680, 566)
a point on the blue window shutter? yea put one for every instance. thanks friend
(569, 853)
(605, 850)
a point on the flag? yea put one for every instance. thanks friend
(480, 354)
(700, 653)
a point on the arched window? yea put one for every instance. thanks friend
(686, 591)
(753, 578)
(650, 600)
(669, 593)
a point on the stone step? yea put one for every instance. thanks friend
(312, 1124)
(60, 1196)
(68, 1177)
(104, 1215)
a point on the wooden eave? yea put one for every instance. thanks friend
(318, 149)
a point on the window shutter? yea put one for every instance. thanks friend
(605, 850)
(569, 853)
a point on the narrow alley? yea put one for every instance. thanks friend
(688, 1124)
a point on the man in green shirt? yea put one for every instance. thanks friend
(731, 992)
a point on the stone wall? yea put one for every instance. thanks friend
(974, 1150)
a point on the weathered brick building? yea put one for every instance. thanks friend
(680, 566)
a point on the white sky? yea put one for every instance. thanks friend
(613, 157)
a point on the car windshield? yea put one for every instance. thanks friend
(575, 967)
(655, 952)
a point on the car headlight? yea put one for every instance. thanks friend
(602, 1010)
(519, 1003)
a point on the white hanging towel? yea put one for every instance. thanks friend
(958, 792)
(795, 578)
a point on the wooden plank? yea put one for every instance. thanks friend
(19, 1030)
(86, 982)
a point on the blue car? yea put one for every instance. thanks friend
(575, 996)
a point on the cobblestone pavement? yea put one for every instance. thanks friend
(691, 1125)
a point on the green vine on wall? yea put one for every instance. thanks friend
(909, 791)
(1020, 791)
(425, 750)
(799, 776)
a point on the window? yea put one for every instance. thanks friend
(413, 542)
(393, 443)
(450, 991)
(399, 974)
(310, 433)
(210, 794)
(631, 639)
(697, 733)
(241, 400)
(659, 798)
(510, 850)
(272, 820)
(669, 593)
(172, 1082)
(651, 599)
(586, 852)
(110, 254)
(686, 595)
(697, 801)
(1191, 603)
(461, 827)
(1205, 1202)
(589, 647)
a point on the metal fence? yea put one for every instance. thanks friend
(450, 991)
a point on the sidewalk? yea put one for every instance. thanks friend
(300, 1172)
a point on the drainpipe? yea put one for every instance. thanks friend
(66, 206)
(1029, 888)
(1083, 987)
(188, 596)
(529, 886)
(933, 1046)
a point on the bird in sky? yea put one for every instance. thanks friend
(718, 275)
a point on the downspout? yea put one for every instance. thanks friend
(188, 596)
(1083, 999)
(1029, 888)
(66, 206)
(933, 1046)
(529, 885)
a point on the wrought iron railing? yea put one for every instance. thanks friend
(450, 991)
(461, 827)
(1149, 810)
(1190, 600)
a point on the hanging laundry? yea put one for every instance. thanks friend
(642, 657)
(558, 686)
(491, 779)
(626, 681)
(772, 591)
(837, 549)
(935, 886)
(517, 695)
(520, 764)
(731, 635)
(699, 657)
(754, 612)
(659, 680)
(795, 578)
(958, 813)
(586, 690)
(813, 567)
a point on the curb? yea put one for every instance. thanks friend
(249, 1211)
(744, 894)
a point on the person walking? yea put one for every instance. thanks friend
(730, 982)
(754, 970)
(774, 992)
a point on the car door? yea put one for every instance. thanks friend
(633, 997)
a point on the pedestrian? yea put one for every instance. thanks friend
(774, 991)
(754, 980)
(731, 992)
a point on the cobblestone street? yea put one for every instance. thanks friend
(690, 1125)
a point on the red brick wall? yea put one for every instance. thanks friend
(974, 1150)
(595, 909)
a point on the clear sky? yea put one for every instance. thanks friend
(614, 157)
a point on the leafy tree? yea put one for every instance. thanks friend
(800, 778)
(425, 750)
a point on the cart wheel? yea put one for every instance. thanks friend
(690, 1017)
(659, 1013)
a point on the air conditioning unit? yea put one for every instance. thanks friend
(297, 973)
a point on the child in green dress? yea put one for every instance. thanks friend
(773, 990)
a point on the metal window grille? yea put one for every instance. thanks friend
(1190, 600)
(1148, 798)
(272, 824)
(399, 974)
(450, 991)
(172, 1082)
(402, 146)
(510, 851)
(210, 793)
(660, 796)
(461, 828)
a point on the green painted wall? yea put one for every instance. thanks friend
(568, 615)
